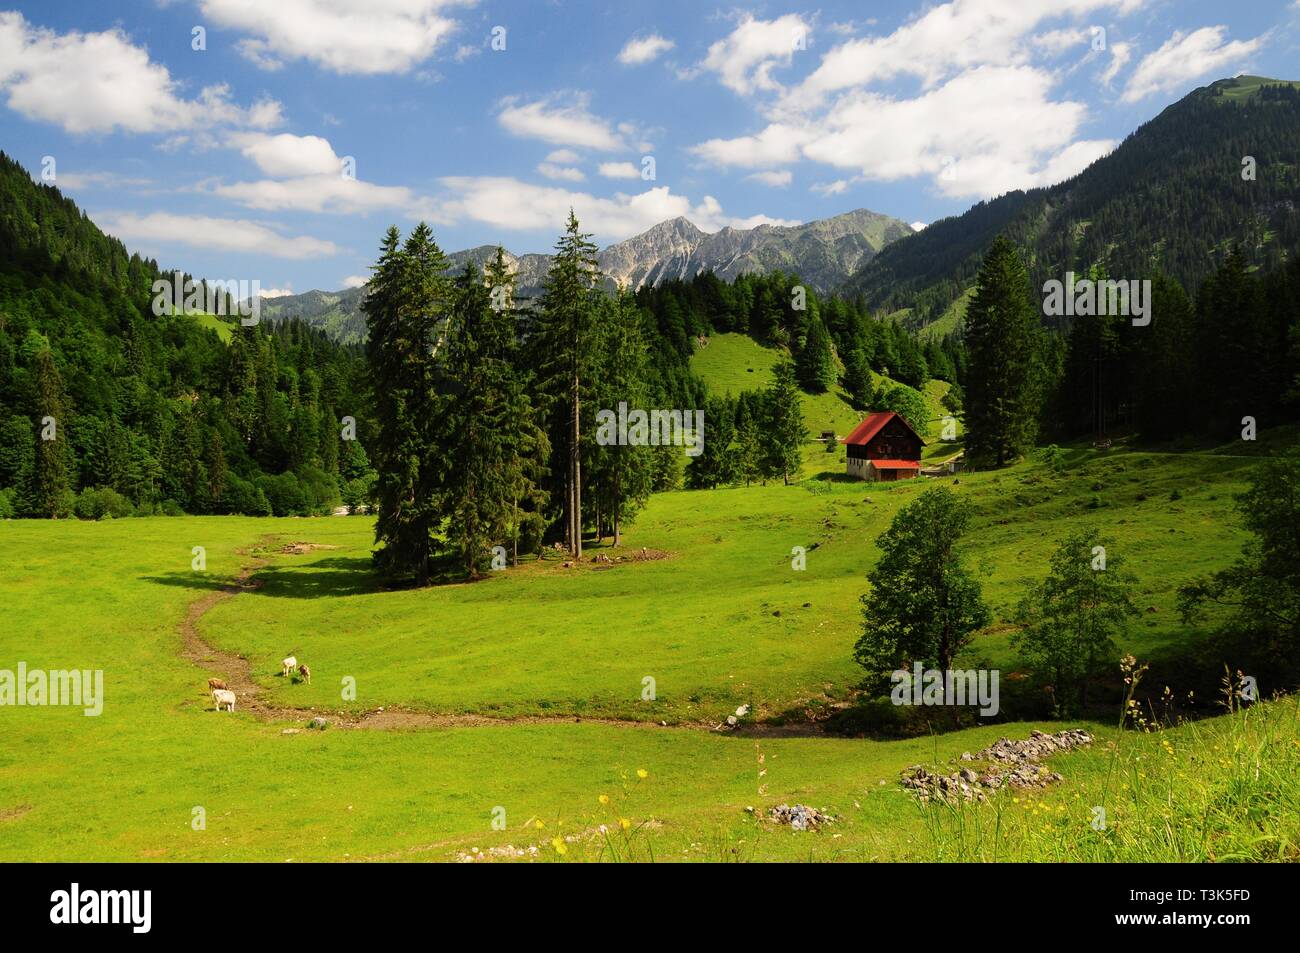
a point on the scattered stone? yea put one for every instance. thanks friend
(506, 852)
(1013, 763)
(800, 817)
(318, 723)
(291, 731)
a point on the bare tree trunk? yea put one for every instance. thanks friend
(618, 500)
(577, 473)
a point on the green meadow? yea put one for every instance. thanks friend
(530, 684)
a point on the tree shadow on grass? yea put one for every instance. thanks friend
(325, 578)
(333, 577)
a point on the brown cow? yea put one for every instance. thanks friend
(215, 683)
(305, 672)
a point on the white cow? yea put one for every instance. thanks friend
(224, 698)
(288, 665)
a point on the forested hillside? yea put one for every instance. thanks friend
(1175, 197)
(107, 408)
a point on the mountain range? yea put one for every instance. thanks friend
(824, 253)
(1218, 169)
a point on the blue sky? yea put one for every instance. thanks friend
(229, 161)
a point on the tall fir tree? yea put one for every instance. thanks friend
(1002, 339)
(621, 475)
(405, 309)
(816, 362)
(493, 429)
(784, 432)
(565, 342)
(51, 476)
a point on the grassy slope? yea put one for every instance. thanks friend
(212, 322)
(732, 363)
(951, 319)
(110, 595)
(1244, 86)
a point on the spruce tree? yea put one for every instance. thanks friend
(565, 340)
(1002, 335)
(817, 360)
(621, 474)
(784, 433)
(405, 310)
(857, 380)
(51, 476)
(218, 471)
(493, 434)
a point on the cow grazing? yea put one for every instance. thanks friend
(224, 699)
(217, 683)
(288, 665)
(305, 672)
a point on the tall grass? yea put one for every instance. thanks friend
(1216, 790)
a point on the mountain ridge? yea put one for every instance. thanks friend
(1171, 197)
(823, 252)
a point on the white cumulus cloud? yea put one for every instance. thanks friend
(378, 36)
(1186, 57)
(158, 230)
(619, 170)
(644, 49)
(560, 120)
(745, 59)
(777, 179)
(102, 82)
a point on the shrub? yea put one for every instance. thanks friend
(357, 492)
(7, 504)
(1052, 457)
(908, 404)
(284, 493)
(243, 497)
(102, 502)
(320, 490)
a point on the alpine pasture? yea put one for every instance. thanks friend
(520, 699)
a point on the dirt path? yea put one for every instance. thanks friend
(236, 671)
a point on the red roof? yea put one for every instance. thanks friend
(895, 464)
(863, 432)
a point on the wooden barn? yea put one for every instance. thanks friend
(883, 447)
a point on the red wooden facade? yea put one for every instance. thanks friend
(883, 447)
